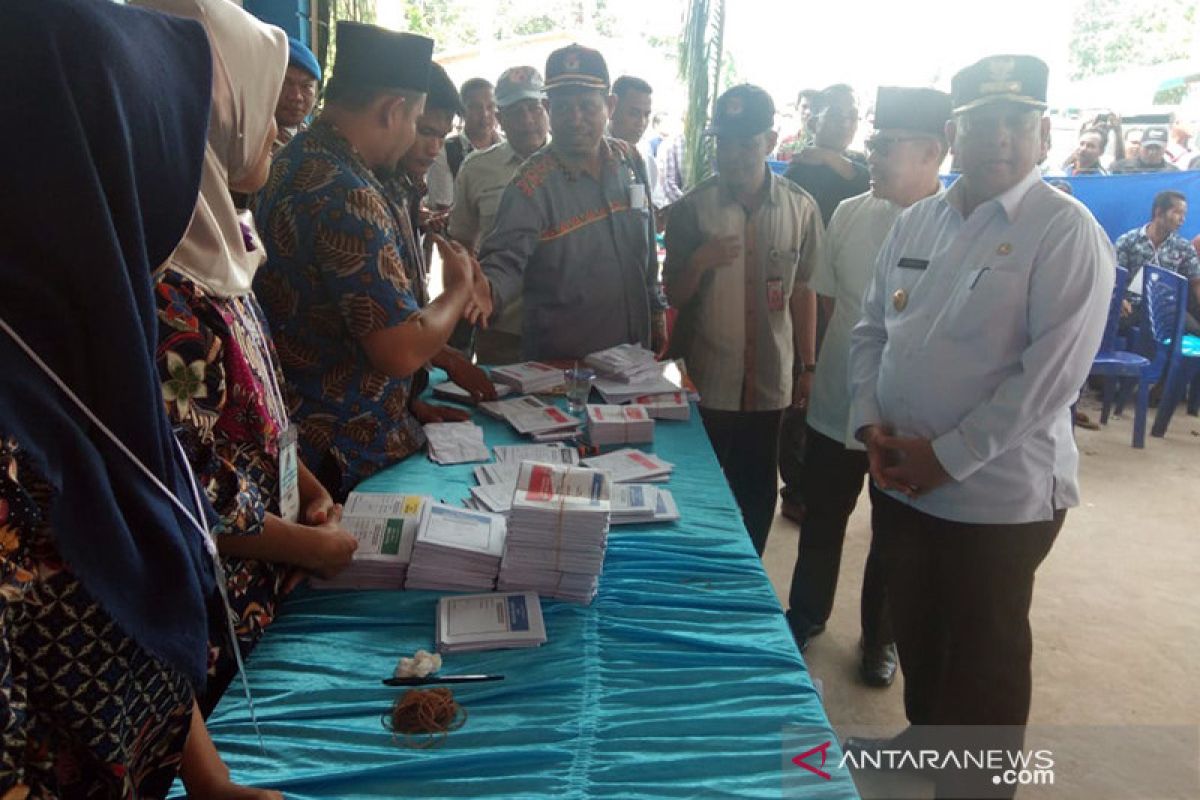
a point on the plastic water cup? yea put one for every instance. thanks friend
(578, 381)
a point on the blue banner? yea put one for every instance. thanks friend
(1120, 202)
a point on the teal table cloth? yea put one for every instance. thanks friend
(681, 679)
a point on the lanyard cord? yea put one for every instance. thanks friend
(193, 519)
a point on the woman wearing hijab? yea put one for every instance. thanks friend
(105, 570)
(220, 373)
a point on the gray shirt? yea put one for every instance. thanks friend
(581, 253)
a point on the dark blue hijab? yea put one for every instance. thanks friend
(106, 113)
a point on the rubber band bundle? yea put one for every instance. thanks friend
(425, 717)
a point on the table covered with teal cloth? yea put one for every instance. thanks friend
(681, 679)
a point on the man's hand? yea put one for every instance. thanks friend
(877, 457)
(802, 390)
(433, 220)
(428, 412)
(1126, 308)
(458, 268)
(480, 308)
(914, 468)
(468, 376)
(719, 251)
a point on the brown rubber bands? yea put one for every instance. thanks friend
(425, 717)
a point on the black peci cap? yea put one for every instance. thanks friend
(442, 94)
(743, 111)
(996, 79)
(368, 55)
(576, 65)
(914, 109)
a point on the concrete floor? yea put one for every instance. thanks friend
(1116, 611)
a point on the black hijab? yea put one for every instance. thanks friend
(100, 155)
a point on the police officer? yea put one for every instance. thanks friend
(985, 310)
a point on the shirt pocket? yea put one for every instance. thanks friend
(986, 303)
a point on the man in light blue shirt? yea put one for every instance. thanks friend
(980, 325)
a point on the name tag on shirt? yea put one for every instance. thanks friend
(289, 476)
(637, 196)
(913, 263)
(775, 294)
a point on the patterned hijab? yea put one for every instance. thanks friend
(249, 61)
(101, 167)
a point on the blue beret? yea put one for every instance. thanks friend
(300, 56)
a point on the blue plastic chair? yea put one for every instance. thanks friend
(1184, 377)
(1160, 329)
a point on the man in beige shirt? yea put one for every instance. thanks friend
(520, 97)
(741, 247)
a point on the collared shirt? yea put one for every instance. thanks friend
(741, 351)
(441, 177)
(477, 191)
(335, 274)
(851, 245)
(407, 194)
(580, 251)
(976, 334)
(285, 135)
(1135, 250)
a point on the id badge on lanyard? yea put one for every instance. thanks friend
(289, 476)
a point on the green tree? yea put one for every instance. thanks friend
(701, 53)
(1110, 35)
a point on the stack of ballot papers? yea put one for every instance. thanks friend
(386, 527)
(631, 466)
(625, 362)
(449, 390)
(489, 622)
(557, 531)
(456, 549)
(668, 376)
(498, 480)
(668, 405)
(531, 416)
(641, 502)
(455, 442)
(619, 425)
(554, 453)
(528, 377)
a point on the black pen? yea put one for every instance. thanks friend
(429, 680)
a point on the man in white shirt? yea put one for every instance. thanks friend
(521, 98)
(980, 325)
(904, 153)
(633, 103)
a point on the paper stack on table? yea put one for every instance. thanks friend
(668, 376)
(528, 377)
(668, 405)
(555, 453)
(489, 622)
(386, 527)
(619, 425)
(449, 390)
(641, 502)
(455, 442)
(531, 416)
(631, 466)
(456, 549)
(626, 363)
(558, 531)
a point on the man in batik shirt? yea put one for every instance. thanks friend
(347, 324)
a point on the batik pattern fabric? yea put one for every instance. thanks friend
(221, 386)
(85, 712)
(335, 274)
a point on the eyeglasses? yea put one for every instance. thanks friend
(882, 145)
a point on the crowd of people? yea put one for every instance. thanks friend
(237, 329)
